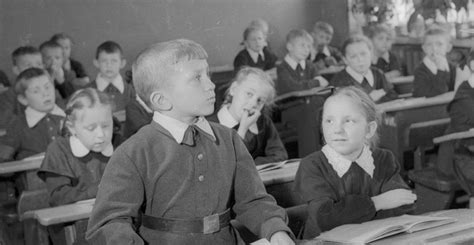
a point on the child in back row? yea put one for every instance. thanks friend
(294, 73)
(39, 124)
(109, 60)
(243, 110)
(181, 176)
(358, 72)
(350, 180)
(322, 54)
(381, 36)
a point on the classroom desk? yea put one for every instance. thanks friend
(30, 163)
(400, 116)
(402, 85)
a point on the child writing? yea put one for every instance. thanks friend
(181, 174)
(350, 180)
(39, 124)
(381, 36)
(242, 110)
(254, 54)
(435, 75)
(294, 73)
(71, 64)
(323, 55)
(358, 72)
(74, 164)
(109, 60)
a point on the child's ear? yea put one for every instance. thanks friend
(96, 63)
(371, 129)
(159, 101)
(22, 99)
(123, 63)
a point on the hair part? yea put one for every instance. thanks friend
(376, 29)
(86, 98)
(23, 50)
(294, 34)
(356, 39)
(323, 26)
(108, 47)
(151, 68)
(24, 78)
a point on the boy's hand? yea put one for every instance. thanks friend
(248, 118)
(441, 62)
(58, 74)
(377, 94)
(67, 65)
(281, 238)
(393, 199)
(322, 81)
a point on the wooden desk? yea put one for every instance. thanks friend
(282, 175)
(30, 163)
(403, 85)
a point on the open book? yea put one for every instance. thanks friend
(274, 165)
(378, 229)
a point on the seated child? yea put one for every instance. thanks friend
(350, 180)
(254, 54)
(53, 61)
(435, 76)
(242, 110)
(71, 64)
(181, 175)
(358, 72)
(322, 54)
(294, 73)
(73, 165)
(138, 115)
(381, 36)
(109, 61)
(40, 123)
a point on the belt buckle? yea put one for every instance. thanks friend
(211, 224)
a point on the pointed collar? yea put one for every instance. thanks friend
(103, 83)
(293, 62)
(33, 116)
(142, 103)
(359, 77)
(432, 66)
(471, 81)
(385, 57)
(341, 165)
(326, 51)
(177, 128)
(254, 55)
(226, 119)
(80, 150)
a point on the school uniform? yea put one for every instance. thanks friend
(262, 139)
(264, 60)
(295, 76)
(122, 93)
(30, 133)
(138, 115)
(320, 56)
(71, 171)
(339, 191)
(66, 88)
(374, 79)
(431, 81)
(163, 174)
(4, 79)
(388, 62)
(78, 68)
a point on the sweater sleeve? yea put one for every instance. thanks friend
(288, 83)
(274, 149)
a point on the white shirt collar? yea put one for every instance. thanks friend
(359, 77)
(326, 51)
(177, 128)
(142, 103)
(102, 83)
(293, 62)
(80, 150)
(33, 116)
(226, 119)
(471, 81)
(341, 165)
(254, 55)
(432, 66)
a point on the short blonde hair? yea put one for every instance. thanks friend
(323, 26)
(294, 34)
(437, 30)
(151, 68)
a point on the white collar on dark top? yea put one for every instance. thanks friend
(33, 116)
(326, 51)
(432, 66)
(254, 55)
(293, 62)
(359, 77)
(341, 165)
(103, 83)
(80, 150)
(226, 119)
(177, 128)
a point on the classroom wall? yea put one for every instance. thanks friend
(216, 24)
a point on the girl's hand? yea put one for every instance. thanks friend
(248, 118)
(281, 238)
(67, 65)
(377, 94)
(441, 62)
(393, 199)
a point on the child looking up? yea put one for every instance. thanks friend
(350, 180)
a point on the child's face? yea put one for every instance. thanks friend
(345, 126)
(66, 45)
(382, 42)
(248, 97)
(93, 127)
(109, 64)
(358, 57)
(299, 49)
(189, 90)
(53, 57)
(436, 45)
(40, 94)
(255, 41)
(321, 39)
(28, 61)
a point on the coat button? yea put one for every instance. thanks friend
(200, 156)
(201, 178)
